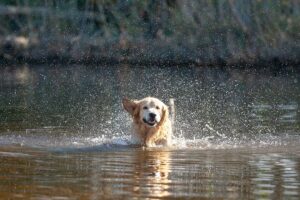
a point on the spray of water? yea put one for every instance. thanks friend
(80, 107)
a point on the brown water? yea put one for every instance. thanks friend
(156, 173)
(64, 135)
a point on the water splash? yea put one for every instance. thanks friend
(80, 107)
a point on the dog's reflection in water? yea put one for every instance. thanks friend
(152, 171)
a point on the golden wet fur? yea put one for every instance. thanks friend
(147, 135)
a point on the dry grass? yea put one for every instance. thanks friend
(181, 31)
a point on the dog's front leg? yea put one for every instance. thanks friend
(149, 142)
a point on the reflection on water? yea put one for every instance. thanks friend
(282, 181)
(152, 170)
(156, 173)
(64, 134)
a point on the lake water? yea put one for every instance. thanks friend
(64, 134)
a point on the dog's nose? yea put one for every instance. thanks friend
(152, 115)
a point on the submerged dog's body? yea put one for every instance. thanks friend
(151, 124)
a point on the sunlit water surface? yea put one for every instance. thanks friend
(64, 134)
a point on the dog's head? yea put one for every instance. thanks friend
(149, 111)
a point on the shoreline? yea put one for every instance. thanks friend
(141, 54)
(274, 63)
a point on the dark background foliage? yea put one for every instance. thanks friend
(179, 31)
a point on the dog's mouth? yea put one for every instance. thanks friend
(150, 123)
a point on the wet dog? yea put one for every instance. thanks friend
(151, 124)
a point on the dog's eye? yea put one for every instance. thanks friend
(145, 107)
(157, 107)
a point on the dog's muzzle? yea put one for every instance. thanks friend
(151, 121)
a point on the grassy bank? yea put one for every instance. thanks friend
(165, 31)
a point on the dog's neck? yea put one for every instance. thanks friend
(147, 132)
(146, 129)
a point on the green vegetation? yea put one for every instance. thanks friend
(175, 31)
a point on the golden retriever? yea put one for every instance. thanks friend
(151, 123)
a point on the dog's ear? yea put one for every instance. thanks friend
(129, 105)
(165, 115)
